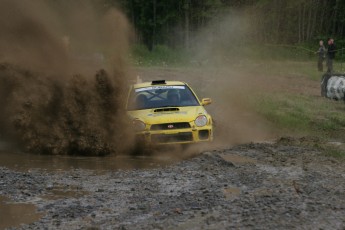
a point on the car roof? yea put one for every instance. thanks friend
(165, 83)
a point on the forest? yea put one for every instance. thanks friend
(176, 23)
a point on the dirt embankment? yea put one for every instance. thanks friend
(288, 184)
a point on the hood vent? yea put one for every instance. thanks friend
(166, 110)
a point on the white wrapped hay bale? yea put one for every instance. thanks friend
(333, 86)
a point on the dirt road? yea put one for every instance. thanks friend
(288, 183)
(280, 185)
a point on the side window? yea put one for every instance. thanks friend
(137, 100)
(188, 98)
(131, 100)
(141, 101)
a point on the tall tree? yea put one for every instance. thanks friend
(173, 22)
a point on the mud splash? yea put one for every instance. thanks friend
(63, 74)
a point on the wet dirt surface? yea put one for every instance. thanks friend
(258, 185)
(271, 185)
(26, 162)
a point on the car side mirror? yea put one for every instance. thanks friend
(206, 101)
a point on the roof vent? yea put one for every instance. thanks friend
(158, 82)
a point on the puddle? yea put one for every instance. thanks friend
(62, 192)
(236, 159)
(231, 193)
(292, 172)
(15, 214)
(262, 192)
(26, 161)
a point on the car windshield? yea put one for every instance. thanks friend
(161, 96)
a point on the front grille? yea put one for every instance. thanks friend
(169, 126)
(168, 138)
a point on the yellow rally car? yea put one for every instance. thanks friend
(168, 112)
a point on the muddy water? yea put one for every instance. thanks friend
(58, 192)
(14, 214)
(26, 162)
(231, 193)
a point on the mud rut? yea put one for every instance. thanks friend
(280, 185)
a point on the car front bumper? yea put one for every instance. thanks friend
(176, 136)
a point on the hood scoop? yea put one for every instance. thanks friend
(166, 110)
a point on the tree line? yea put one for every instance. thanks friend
(175, 22)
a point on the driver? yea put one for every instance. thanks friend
(173, 97)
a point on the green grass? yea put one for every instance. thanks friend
(307, 116)
(334, 152)
(304, 114)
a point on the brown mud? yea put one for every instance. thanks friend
(27, 162)
(289, 183)
(14, 214)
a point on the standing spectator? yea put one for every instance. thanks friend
(330, 55)
(321, 53)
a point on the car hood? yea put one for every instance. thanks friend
(168, 114)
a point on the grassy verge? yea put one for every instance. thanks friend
(303, 113)
(334, 152)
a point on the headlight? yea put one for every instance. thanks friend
(201, 120)
(139, 125)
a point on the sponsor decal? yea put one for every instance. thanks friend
(160, 87)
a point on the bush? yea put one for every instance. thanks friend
(161, 55)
